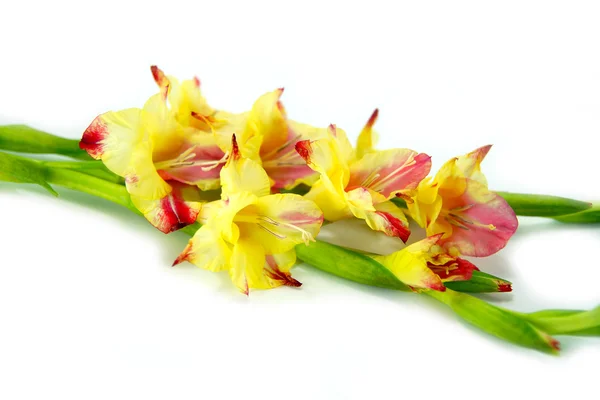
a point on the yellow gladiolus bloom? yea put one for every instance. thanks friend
(457, 202)
(131, 143)
(360, 183)
(249, 232)
(426, 265)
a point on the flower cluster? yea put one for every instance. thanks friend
(177, 152)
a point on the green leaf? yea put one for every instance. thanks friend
(25, 139)
(537, 205)
(22, 170)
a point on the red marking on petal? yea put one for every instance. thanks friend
(235, 150)
(332, 129)
(303, 148)
(456, 270)
(372, 119)
(196, 81)
(504, 287)
(131, 179)
(397, 228)
(185, 254)
(158, 75)
(93, 137)
(175, 213)
(275, 273)
(555, 344)
(161, 80)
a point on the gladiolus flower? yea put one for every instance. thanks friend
(264, 133)
(361, 183)
(457, 202)
(249, 232)
(268, 137)
(133, 144)
(426, 265)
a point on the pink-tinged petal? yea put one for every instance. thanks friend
(169, 213)
(390, 172)
(482, 222)
(285, 166)
(289, 176)
(198, 165)
(454, 270)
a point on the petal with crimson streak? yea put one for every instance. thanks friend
(482, 221)
(170, 212)
(390, 172)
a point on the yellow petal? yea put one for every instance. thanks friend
(333, 204)
(426, 205)
(226, 215)
(279, 222)
(409, 265)
(267, 120)
(325, 157)
(206, 250)
(242, 174)
(247, 267)
(112, 137)
(367, 139)
(185, 98)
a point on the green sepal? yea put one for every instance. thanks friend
(480, 282)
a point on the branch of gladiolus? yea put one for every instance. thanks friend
(25, 139)
(511, 326)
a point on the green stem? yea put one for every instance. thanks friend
(588, 216)
(25, 139)
(497, 321)
(75, 180)
(537, 205)
(79, 165)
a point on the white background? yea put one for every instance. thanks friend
(89, 305)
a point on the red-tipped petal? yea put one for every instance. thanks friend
(93, 137)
